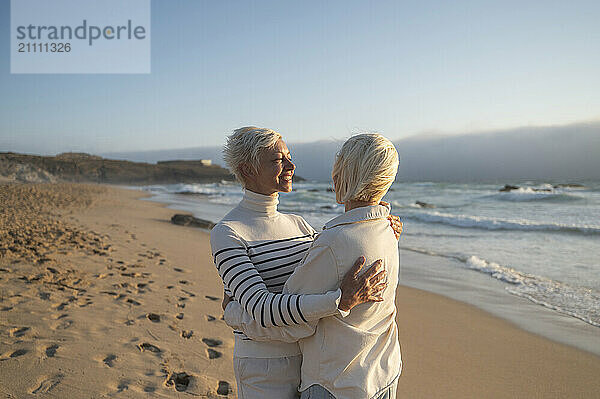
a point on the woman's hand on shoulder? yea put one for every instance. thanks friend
(395, 222)
(396, 225)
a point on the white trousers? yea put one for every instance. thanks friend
(318, 392)
(268, 378)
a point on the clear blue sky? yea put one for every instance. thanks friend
(318, 70)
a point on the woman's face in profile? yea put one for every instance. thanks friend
(275, 171)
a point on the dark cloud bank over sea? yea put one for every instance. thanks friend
(569, 152)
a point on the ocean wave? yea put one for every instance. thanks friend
(488, 223)
(579, 302)
(214, 189)
(397, 204)
(531, 194)
(439, 235)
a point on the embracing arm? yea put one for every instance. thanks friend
(358, 289)
(245, 285)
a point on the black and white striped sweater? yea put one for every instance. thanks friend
(255, 249)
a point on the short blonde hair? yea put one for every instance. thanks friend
(364, 168)
(244, 147)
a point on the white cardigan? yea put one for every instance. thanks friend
(355, 356)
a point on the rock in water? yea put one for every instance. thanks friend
(189, 220)
(569, 185)
(508, 187)
(424, 204)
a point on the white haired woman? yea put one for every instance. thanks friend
(358, 355)
(256, 248)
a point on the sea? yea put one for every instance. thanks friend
(535, 247)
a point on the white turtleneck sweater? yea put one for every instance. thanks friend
(255, 249)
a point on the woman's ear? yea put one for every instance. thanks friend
(247, 171)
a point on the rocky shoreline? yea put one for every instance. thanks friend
(81, 167)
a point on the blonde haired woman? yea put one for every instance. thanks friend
(356, 356)
(256, 248)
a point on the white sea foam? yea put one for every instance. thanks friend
(533, 194)
(580, 302)
(489, 223)
(224, 192)
(507, 275)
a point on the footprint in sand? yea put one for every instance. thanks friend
(212, 342)
(153, 317)
(86, 303)
(145, 346)
(179, 316)
(191, 294)
(123, 386)
(51, 350)
(44, 296)
(60, 306)
(180, 381)
(187, 334)
(149, 388)
(212, 298)
(133, 302)
(62, 325)
(6, 308)
(18, 331)
(109, 360)
(183, 282)
(210, 318)
(10, 355)
(213, 354)
(47, 384)
(224, 388)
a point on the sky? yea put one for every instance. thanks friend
(317, 70)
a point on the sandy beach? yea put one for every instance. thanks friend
(101, 296)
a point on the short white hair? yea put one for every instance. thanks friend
(244, 147)
(364, 168)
